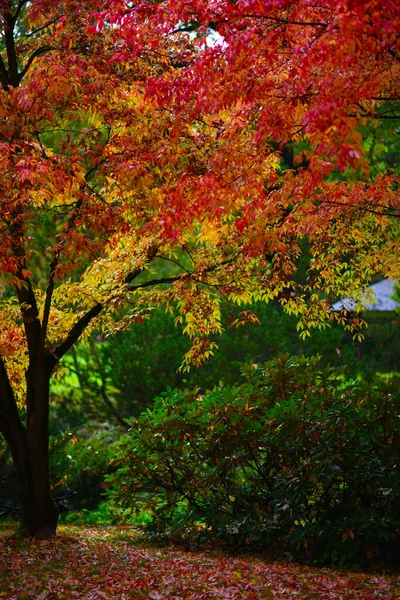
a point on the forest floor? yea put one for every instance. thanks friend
(112, 563)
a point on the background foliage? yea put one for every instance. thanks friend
(113, 378)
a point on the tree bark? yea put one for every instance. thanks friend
(39, 511)
(10, 423)
(30, 448)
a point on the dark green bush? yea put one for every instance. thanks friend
(295, 458)
(78, 462)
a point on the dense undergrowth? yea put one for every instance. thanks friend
(295, 458)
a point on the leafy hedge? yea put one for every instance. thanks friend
(295, 458)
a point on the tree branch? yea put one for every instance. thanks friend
(53, 266)
(145, 284)
(285, 21)
(20, 6)
(24, 290)
(32, 57)
(3, 75)
(13, 78)
(82, 323)
(380, 117)
(395, 215)
(56, 257)
(45, 26)
(187, 274)
(77, 331)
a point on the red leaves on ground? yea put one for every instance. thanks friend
(109, 563)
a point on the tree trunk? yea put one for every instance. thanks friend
(30, 448)
(39, 511)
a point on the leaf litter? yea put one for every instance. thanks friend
(111, 563)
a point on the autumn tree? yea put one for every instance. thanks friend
(224, 139)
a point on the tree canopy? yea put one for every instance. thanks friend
(125, 137)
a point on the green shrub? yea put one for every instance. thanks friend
(296, 457)
(102, 515)
(78, 462)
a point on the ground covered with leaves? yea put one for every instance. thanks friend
(110, 563)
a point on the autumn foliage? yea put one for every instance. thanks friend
(180, 153)
(131, 136)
